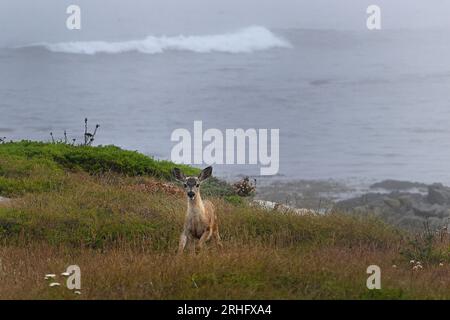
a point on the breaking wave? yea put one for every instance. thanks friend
(244, 41)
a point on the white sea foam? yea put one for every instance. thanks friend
(243, 41)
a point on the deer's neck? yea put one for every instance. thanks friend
(195, 206)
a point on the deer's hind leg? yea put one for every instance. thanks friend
(217, 238)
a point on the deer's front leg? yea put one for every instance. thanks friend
(205, 237)
(182, 243)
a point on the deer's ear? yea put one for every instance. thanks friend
(205, 174)
(178, 174)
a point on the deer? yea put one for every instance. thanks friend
(201, 220)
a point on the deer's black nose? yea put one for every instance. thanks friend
(191, 194)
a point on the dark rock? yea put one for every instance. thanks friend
(362, 201)
(398, 185)
(412, 222)
(393, 203)
(408, 210)
(426, 210)
(406, 201)
(439, 194)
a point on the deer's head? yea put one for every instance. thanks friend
(192, 184)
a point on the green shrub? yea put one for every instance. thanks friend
(19, 176)
(234, 200)
(94, 160)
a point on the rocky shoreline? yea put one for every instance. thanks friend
(402, 203)
(405, 209)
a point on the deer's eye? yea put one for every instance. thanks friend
(197, 185)
(185, 185)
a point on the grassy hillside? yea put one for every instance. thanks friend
(118, 216)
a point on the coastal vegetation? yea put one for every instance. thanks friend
(117, 214)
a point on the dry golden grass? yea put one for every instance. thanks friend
(237, 272)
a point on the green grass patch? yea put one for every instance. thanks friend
(96, 160)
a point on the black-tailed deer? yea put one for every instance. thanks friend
(201, 220)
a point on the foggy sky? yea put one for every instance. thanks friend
(27, 21)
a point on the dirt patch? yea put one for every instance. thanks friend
(157, 186)
(4, 201)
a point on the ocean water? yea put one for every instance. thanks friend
(350, 106)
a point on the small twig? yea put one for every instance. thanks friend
(85, 130)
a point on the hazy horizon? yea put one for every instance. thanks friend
(26, 21)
